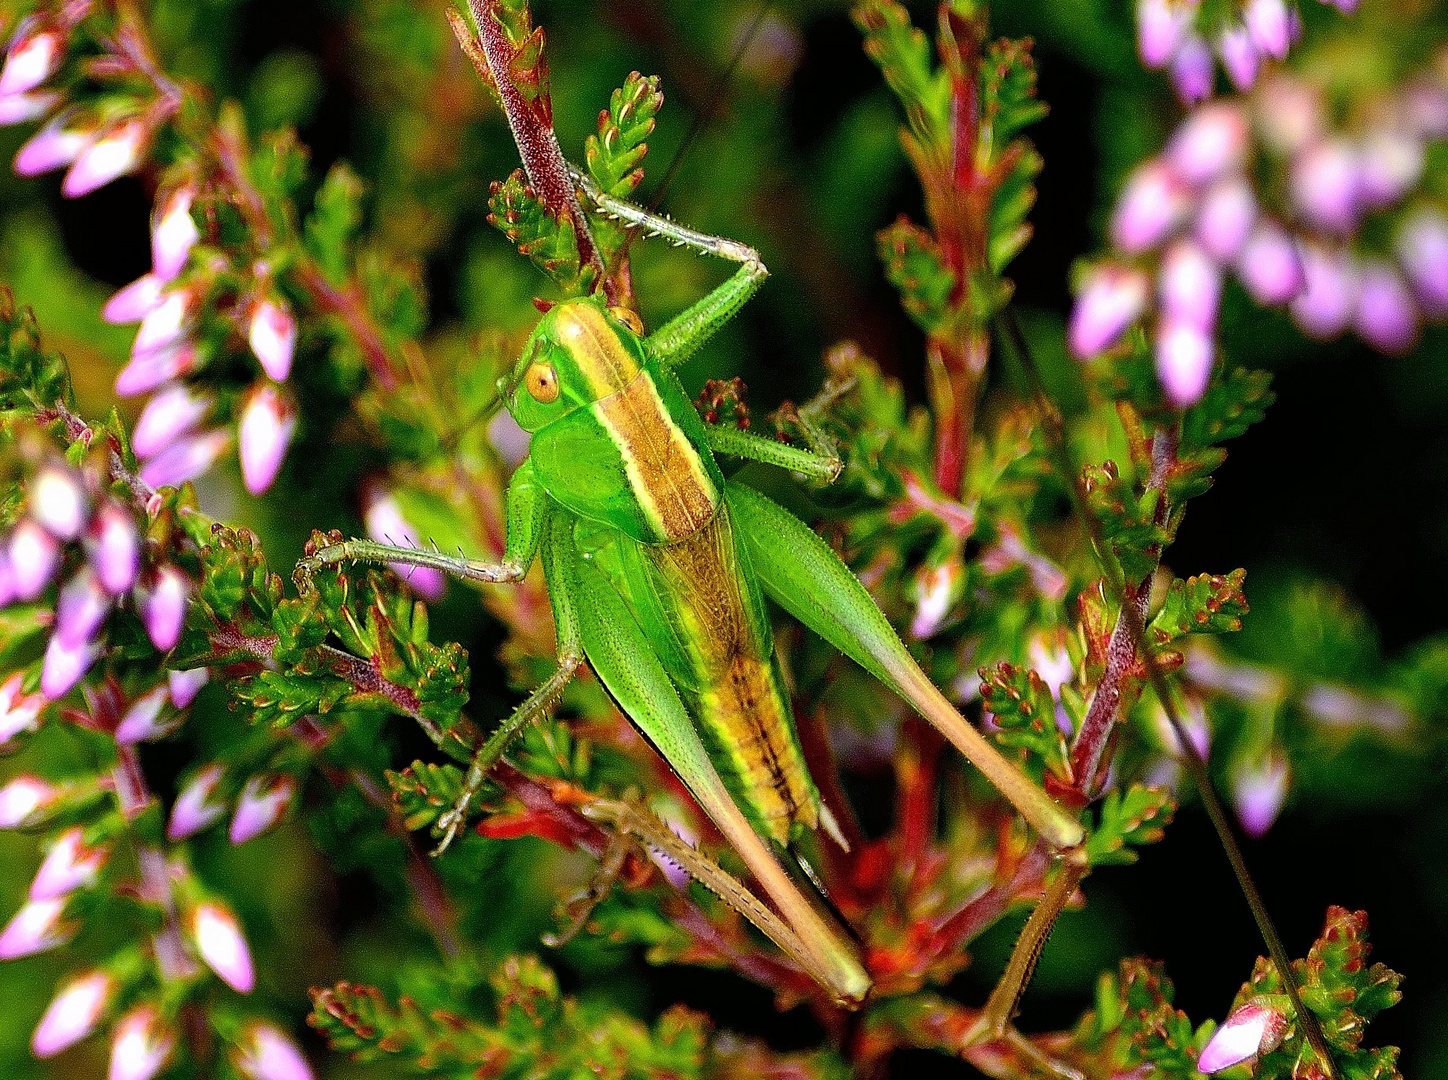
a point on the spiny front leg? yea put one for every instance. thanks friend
(370, 551)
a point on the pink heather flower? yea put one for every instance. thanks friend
(263, 801)
(31, 60)
(114, 547)
(1289, 113)
(115, 153)
(1240, 57)
(58, 501)
(18, 712)
(1386, 317)
(386, 525)
(34, 558)
(135, 301)
(1268, 23)
(35, 928)
(51, 147)
(937, 588)
(1269, 265)
(265, 1053)
(140, 1045)
(1250, 1030)
(1210, 142)
(1160, 27)
(185, 460)
(142, 721)
(1191, 70)
(194, 809)
(1325, 185)
(264, 432)
(1225, 218)
(184, 684)
(1258, 790)
(1389, 165)
(23, 796)
(164, 324)
(73, 1013)
(173, 233)
(273, 337)
(1191, 285)
(1152, 204)
(1184, 356)
(84, 604)
(69, 865)
(163, 607)
(155, 368)
(172, 412)
(508, 439)
(20, 108)
(1325, 306)
(65, 663)
(220, 942)
(1425, 108)
(1422, 249)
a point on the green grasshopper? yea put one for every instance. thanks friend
(657, 569)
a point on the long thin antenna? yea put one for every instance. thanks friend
(1192, 758)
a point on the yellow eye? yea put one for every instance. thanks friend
(628, 317)
(542, 382)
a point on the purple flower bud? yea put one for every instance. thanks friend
(1160, 27)
(155, 368)
(1347, 7)
(173, 411)
(173, 233)
(1269, 26)
(1250, 1030)
(1240, 56)
(58, 501)
(186, 459)
(20, 108)
(273, 337)
(18, 712)
(114, 547)
(135, 301)
(35, 928)
(32, 59)
(184, 684)
(263, 801)
(1325, 185)
(937, 588)
(163, 607)
(220, 942)
(115, 153)
(1191, 70)
(386, 525)
(1191, 285)
(1225, 218)
(1422, 247)
(1389, 165)
(264, 432)
(1269, 265)
(140, 1045)
(1152, 204)
(69, 865)
(83, 606)
(1210, 142)
(51, 147)
(34, 558)
(165, 324)
(73, 1013)
(1184, 356)
(143, 720)
(65, 663)
(194, 809)
(1325, 306)
(265, 1053)
(1386, 318)
(22, 797)
(1258, 790)
(1289, 113)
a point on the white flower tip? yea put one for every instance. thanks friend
(35, 928)
(49, 148)
(163, 608)
(73, 1013)
(273, 337)
(194, 809)
(1111, 300)
(173, 234)
(64, 664)
(22, 797)
(265, 1053)
(1184, 355)
(1250, 1030)
(30, 62)
(114, 154)
(264, 432)
(135, 301)
(220, 942)
(69, 865)
(58, 501)
(115, 548)
(140, 1045)
(263, 801)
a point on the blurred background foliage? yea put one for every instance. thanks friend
(1337, 504)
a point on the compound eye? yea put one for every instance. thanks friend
(542, 383)
(628, 317)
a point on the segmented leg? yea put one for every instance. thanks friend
(370, 551)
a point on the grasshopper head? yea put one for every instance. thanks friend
(580, 351)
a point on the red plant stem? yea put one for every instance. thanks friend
(973, 917)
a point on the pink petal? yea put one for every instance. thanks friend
(155, 368)
(1422, 248)
(22, 797)
(194, 808)
(1390, 164)
(34, 559)
(164, 324)
(144, 719)
(1289, 113)
(1240, 57)
(1258, 791)
(18, 712)
(1210, 142)
(31, 61)
(1111, 300)
(58, 501)
(185, 683)
(1325, 185)
(172, 412)
(163, 607)
(263, 801)
(1191, 285)
(1160, 27)
(273, 337)
(114, 154)
(65, 663)
(1192, 69)
(83, 606)
(1250, 1030)
(1325, 306)
(73, 1013)
(114, 547)
(265, 1053)
(1270, 266)
(1225, 218)
(134, 302)
(35, 928)
(173, 233)
(50, 148)
(1387, 317)
(21, 108)
(386, 525)
(185, 460)
(937, 588)
(1151, 205)
(264, 432)
(140, 1045)
(1184, 355)
(1268, 24)
(68, 866)
(220, 942)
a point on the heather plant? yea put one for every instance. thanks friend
(246, 839)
